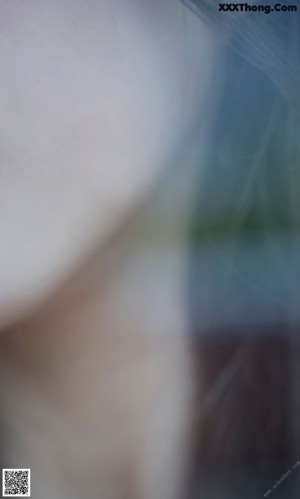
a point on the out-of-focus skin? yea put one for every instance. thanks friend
(94, 398)
(94, 98)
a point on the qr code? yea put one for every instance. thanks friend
(15, 483)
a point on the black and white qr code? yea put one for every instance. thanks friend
(15, 483)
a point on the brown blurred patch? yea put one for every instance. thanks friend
(244, 407)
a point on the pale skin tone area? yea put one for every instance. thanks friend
(94, 98)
